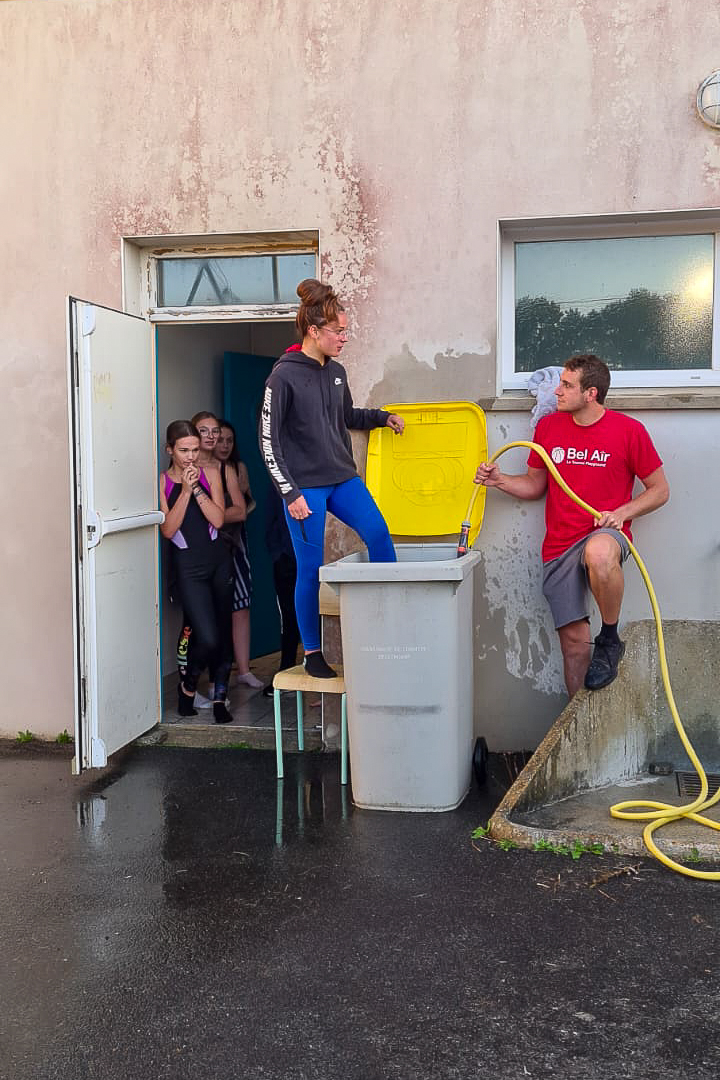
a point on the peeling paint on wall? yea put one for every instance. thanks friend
(511, 583)
(444, 377)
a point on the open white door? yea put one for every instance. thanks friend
(115, 530)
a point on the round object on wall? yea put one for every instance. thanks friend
(708, 100)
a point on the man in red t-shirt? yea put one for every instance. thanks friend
(599, 454)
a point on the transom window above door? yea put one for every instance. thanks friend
(233, 277)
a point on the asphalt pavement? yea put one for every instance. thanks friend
(184, 917)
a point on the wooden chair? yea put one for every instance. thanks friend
(297, 679)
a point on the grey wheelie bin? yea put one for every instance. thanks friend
(407, 647)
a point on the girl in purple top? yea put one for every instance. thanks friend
(194, 509)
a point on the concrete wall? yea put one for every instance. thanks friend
(401, 133)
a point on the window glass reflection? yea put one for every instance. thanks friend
(640, 303)
(248, 279)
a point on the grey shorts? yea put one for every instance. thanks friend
(565, 584)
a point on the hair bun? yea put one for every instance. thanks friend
(313, 293)
(319, 305)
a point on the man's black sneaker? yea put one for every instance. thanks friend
(604, 664)
(317, 667)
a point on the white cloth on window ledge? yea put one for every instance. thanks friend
(542, 384)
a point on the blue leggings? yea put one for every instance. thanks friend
(351, 503)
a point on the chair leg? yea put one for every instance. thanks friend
(343, 740)
(301, 736)
(278, 734)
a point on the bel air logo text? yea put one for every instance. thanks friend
(599, 456)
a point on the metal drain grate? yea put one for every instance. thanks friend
(688, 783)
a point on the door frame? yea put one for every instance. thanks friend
(157, 351)
(139, 255)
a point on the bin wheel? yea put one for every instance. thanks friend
(480, 756)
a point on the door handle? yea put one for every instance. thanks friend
(98, 527)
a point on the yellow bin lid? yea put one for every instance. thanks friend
(422, 480)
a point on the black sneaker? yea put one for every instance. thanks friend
(186, 703)
(604, 664)
(222, 716)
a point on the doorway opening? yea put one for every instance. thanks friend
(221, 368)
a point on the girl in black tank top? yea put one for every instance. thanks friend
(194, 512)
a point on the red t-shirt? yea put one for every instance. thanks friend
(599, 462)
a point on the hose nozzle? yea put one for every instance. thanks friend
(464, 540)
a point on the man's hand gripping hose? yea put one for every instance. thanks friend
(656, 814)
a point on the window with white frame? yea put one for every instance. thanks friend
(640, 291)
(210, 278)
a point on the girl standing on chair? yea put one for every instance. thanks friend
(307, 411)
(194, 509)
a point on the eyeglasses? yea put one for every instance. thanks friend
(338, 333)
(208, 431)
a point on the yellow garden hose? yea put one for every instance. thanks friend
(655, 813)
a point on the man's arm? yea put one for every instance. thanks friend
(531, 485)
(656, 494)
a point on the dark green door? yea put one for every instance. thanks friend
(244, 383)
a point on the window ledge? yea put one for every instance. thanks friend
(705, 397)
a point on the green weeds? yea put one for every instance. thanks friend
(24, 736)
(578, 849)
(575, 850)
(483, 833)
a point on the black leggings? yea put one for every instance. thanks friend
(206, 592)
(285, 574)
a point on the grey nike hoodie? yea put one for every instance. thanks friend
(303, 433)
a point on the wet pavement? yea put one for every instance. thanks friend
(187, 918)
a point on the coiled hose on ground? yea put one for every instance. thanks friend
(656, 814)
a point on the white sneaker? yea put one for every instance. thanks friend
(248, 679)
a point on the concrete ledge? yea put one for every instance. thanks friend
(607, 741)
